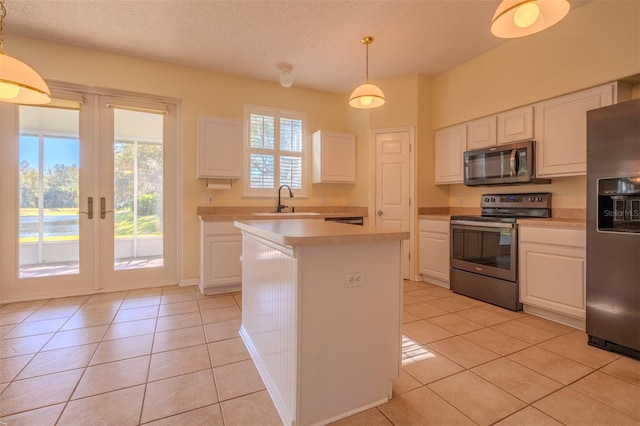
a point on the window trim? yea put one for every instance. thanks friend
(247, 151)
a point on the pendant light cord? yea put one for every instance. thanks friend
(367, 41)
(366, 61)
(3, 13)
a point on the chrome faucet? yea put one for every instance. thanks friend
(280, 205)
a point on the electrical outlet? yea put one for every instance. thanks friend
(207, 199)
(354, 279)
(460, 201)
(325, 199)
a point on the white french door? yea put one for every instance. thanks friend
(89, 191)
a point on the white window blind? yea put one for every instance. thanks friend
(275, 151)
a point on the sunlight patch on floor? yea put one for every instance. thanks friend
(413, 352)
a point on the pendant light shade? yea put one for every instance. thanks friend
(19, 83)
(367, 95)
(519, 18)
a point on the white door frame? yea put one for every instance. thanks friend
(412, 216)
(8, 188)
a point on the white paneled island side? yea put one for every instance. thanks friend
(322, 314)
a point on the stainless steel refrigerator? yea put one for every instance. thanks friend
(613, 228)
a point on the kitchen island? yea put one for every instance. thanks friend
(322, 314)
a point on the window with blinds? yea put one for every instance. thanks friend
(275, 151)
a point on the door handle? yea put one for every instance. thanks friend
(89, 211)
(380, 213)
(103, 208)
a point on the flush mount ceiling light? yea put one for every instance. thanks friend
(519, 18)
(19, 83)
(367, 95)
(286, 76)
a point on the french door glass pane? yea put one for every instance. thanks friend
(48, 155)
(138, 176)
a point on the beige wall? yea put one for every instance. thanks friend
(595, 44)
(429, 194)
(568, 192)
(207, 93)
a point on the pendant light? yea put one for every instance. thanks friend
(519, 18)
(367, 95)
(19, 83)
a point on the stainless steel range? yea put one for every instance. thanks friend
(484, 249)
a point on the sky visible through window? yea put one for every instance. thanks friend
(56, 151)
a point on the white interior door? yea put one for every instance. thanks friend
(62, 164)
(394, 186)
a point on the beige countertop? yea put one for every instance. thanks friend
(554, 223)
(435, 216)
(269, 216)
(550, 222)
(225, 214)
(306, 232)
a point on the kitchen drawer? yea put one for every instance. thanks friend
(434, 225)
(558, 236)
(220, 228)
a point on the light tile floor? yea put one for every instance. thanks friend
(170, 356)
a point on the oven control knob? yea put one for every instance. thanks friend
(493, 199)
(539, 199)
(486, 199)
(532, 198)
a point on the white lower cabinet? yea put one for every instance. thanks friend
(220, 251)
(553, 272)
(434, 251)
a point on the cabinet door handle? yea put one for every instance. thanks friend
(89, 211)
(103, 208)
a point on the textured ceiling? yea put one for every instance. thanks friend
(320, 39)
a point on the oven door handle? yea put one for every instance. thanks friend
(482, 224)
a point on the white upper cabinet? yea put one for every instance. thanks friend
(561, 130)
(334, 157)
(450, 144)
(507, 127)
(219, 148)
(481, 133)
(515, 125)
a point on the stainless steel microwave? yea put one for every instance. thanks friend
(512, 164)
